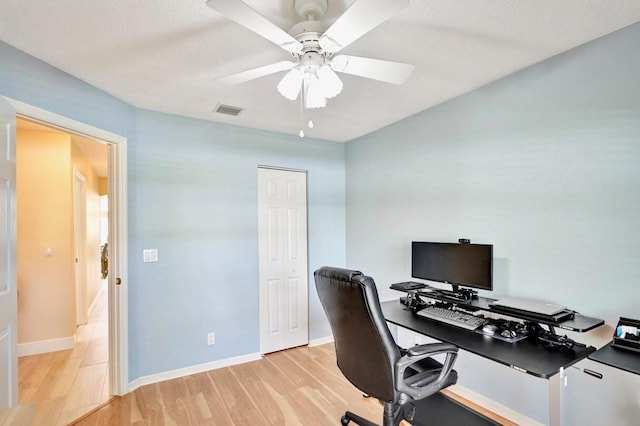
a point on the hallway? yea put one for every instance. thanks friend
(58, 387)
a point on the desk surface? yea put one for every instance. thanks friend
(525, 355)
(619, 358)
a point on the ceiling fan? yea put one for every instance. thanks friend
(313, 47)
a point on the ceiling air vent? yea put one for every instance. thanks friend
(228, 109)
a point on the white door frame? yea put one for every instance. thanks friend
(8, 280)
(118, 295)
(79, 245)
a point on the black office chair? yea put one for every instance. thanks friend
(367, 354)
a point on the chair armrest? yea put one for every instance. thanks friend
(430, 348)
(426, 383)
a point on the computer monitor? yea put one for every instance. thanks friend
(467, 265)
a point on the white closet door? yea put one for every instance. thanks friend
(283, 277)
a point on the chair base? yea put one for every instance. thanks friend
(352, 417)
(393, 415)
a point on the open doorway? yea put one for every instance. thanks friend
(10, 110)
(62, 296)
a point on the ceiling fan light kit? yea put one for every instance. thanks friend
(313, 94)
(318, 81)
(330, 82)
(313, 46)
(289, 86)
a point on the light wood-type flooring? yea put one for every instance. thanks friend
(300, 386)
(57, 388)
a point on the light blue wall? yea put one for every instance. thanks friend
(192, 194)
(544, 164)
(195, 200)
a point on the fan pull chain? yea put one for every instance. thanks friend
(301, 134)
(310, 122)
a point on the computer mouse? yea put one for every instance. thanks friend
(508, 333)
(489, 329)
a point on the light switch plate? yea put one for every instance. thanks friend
(150, 255)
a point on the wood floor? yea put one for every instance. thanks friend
(56, 388)
(300, 386)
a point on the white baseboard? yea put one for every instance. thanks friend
(321, 341)
(201, 368)
(194, 369)
(45, 346)
(492, 405)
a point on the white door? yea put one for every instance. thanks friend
(8, 293)
(80, 245)
(283, 279)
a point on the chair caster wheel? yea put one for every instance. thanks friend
(344, 421)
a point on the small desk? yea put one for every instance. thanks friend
(618, 358)
(606, 388)
(525, 355)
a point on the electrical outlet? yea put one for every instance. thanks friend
(211, 339)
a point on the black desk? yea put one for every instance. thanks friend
(525, 355)
(624, 360)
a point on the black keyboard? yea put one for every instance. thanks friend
(456, 318)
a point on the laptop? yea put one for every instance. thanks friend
(529, 305)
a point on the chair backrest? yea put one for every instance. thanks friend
(365, 350)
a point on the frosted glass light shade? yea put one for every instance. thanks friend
(313, 93)
(290, 85)
(318, 84)
(329, 81)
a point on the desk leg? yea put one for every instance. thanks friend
(556, 389)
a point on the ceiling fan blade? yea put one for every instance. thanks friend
(376, 69)
(359, 19)
(248, 75)
(244, 15)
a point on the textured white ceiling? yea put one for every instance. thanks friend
(165, 55)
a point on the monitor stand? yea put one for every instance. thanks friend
(462, 294)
